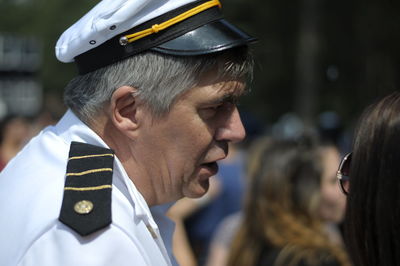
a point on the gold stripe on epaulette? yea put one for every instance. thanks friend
(90, 171)
(90, 156)
(87, 188)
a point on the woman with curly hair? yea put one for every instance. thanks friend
(281, 224)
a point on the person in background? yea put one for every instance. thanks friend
(14, 133)
(370, 178)
(332, 205)
(281, 225)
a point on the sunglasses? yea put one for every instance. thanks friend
(343, 174)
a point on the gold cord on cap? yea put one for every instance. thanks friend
(124, 40)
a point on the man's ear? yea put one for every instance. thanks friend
(123, 110)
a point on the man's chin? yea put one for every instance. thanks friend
(199, 190)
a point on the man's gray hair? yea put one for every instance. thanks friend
(159, 79)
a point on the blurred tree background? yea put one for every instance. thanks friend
(312, 55)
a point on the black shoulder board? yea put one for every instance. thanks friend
(86, 206)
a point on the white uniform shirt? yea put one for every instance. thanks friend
(31, 193)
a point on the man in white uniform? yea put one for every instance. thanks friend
(150, 114)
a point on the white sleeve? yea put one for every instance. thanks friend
(59, 246)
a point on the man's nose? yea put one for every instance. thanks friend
(232, 128)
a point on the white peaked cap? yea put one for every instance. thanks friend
(178, 27)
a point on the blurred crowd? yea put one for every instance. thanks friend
(17, 130)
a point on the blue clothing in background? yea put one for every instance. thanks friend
(201, 225)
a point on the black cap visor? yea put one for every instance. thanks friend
(210, 38)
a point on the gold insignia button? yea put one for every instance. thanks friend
(83, 207)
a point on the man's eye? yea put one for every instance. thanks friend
(211, 111)
(216, 107)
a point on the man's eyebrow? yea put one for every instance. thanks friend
(229, 97)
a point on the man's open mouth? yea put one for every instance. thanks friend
(212, 167)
